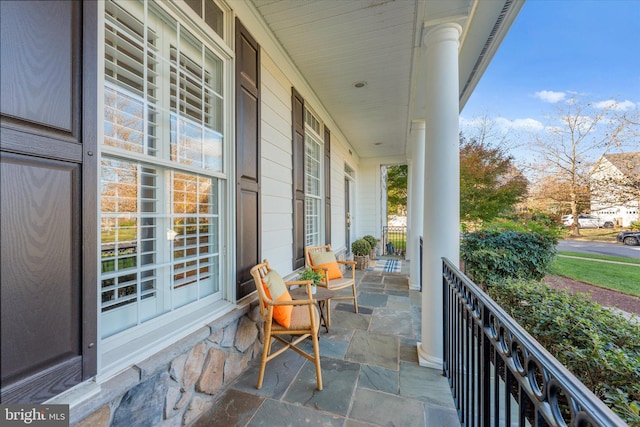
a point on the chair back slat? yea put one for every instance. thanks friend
(259, 272)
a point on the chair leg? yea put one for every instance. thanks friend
(263, 361)
(266, 349)
(316, 352)
(355, 298)
(329, 313)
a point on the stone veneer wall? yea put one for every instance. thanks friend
(175, 386)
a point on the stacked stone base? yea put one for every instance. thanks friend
(174, 387)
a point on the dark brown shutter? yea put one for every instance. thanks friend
(327, 186)
(248, 230)
(48, 199)
(297, 111)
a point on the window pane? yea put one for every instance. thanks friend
(196, 5)
(163, 98)
(213, 16)
(197, 106)
(123, 120)
(313, 186)
(195, 245)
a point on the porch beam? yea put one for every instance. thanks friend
(441, 183)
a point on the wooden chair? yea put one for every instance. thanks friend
(305, 322)
(348, 279)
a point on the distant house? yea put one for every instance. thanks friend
(615, 187)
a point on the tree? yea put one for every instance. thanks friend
(397, 189)
(489, 182)
(550, 193)
(580, 131)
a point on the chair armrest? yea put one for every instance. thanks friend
(353, 267)
(298, 282)
(295, 302)
(308, 284)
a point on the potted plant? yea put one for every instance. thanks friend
(374, 243)
(361, 250)
(314, 276)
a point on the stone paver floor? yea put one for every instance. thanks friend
(370, 371)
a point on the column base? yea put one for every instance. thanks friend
(414, 286)
(427, 361)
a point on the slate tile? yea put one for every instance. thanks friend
(374, 349)
(339, 379)
(386, 410)
(276, 413)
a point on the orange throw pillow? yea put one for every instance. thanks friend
(327, 260)
(274, 285)
(334, 269)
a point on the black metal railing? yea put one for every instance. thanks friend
(394, 240)
(500, 375)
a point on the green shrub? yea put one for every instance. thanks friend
(491, 255)
(373, 242)
(635, 226)
(314, 276)
(360, 247)
(539, 225)
(598, 346)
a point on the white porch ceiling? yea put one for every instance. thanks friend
(336, 43)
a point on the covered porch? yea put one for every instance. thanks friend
(370, 370)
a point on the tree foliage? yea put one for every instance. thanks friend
(552, 193)
(567, 147)
(397, 189)
(489, 182)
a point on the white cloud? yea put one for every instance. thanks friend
(550, 96)
(615, 105)
(528, 124)
(474, 122)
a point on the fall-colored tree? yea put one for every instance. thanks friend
(490, 184)
(550, 194)
(580, 132)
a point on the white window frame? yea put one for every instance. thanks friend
(313, 152)
(139, 342)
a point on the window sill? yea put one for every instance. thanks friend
(193, 326)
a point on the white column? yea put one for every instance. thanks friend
(416, 197)
(442, 183)
(409, 254)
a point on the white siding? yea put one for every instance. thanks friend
(277, 209)
(368, 209)
(338, 217)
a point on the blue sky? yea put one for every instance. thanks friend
(557, 48)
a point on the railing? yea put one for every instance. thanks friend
(394, 240)
(501, 376)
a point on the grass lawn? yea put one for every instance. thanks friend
(594, 234)
(623, 278)
(603, 257)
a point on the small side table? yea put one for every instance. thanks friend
(322, 295)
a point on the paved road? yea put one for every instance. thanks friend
(599, 248)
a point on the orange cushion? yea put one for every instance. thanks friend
(274, 285)
(327, 259)
(334, 269)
